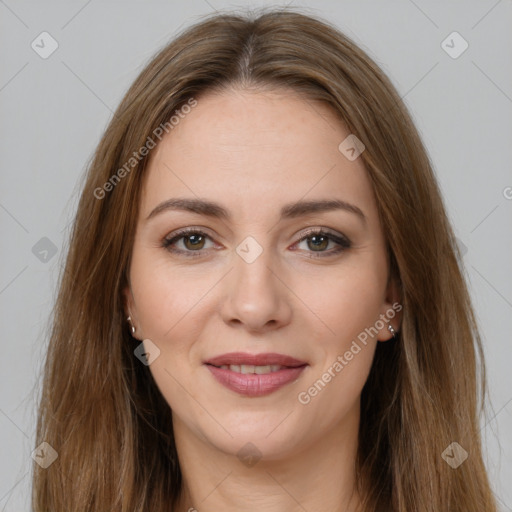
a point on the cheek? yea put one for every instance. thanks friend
(168, 301)
(332, 395)
(345, 354)
(348, 303)
(345, 302)
(165, 296)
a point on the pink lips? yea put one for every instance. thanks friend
(255, 384)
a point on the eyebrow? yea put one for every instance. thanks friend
(288, 211)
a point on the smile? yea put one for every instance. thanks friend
(254, 375)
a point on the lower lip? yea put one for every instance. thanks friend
(254, 384)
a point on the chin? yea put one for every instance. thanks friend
(266, 435)
(252, 446)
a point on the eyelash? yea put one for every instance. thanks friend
(343, 242)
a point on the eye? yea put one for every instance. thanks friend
(317, 241)
(193, 242)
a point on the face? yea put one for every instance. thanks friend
(269, 269)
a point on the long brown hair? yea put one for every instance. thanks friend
(100, 408)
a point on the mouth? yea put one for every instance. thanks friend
(247, 369)
(256, 360)
(255, 375)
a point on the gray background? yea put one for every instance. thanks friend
(53, 112)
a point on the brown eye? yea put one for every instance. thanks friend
(192, 240)
(318, 240)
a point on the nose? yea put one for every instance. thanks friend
(256, 296)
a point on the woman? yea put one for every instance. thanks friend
(262, 306)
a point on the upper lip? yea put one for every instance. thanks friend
(239, 358)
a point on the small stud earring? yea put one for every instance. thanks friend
(132, 327)
(392, 331)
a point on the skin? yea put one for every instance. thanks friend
(253, 152)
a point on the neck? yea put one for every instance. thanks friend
(320, 476)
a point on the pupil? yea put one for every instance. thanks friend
(320, 245)
(191, 238)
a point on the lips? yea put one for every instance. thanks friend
(241, 358)
(255, 374)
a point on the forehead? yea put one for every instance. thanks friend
(251, 150)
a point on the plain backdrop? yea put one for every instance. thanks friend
(53, 111)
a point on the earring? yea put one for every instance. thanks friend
(392, 331)
(132, 327)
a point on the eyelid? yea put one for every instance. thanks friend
(313, 230)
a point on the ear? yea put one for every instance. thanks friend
(129, 309)
(391, 312)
